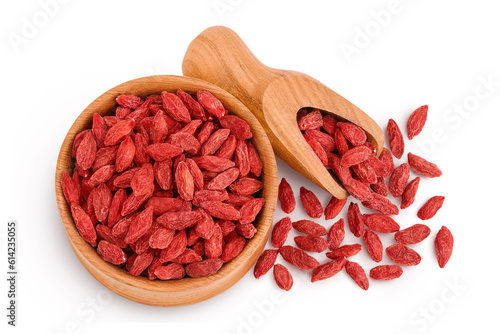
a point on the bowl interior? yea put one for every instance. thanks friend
(187, 290)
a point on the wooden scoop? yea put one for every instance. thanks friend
(219, 56)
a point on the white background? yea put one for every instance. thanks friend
(438, 53)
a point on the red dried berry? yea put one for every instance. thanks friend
(423, 167)
(221, 210)
(311, 203)
(373, 245)
(280, 232)
(282, 277)
(233, 248)
(409, 193)
(139, 226)
(381, 204)
(396, 141)
(344, 251)
(329, 124)
(416, 121)
(170, 271)
(312, 120)
(298, 258)
(245, 186)
(195, 109)
(403, 255)
(309, 227)
(430, 208)
(317, 149)
(119, 132)
(215, 244)
(386, 158)
(238, 126)
(380, 187)
(311, 243)
(355, 155)
(353, 133)
(69, 190)
(210, 103)
(334, 207)
(86, 152)
(399, 177)
(286, 197)
(386, 272)
(336, 234)
(84, 225)
(355, 220)
(215, 141)
(444, 246)
(325, 140)
(381, 223)
(204, 268)
(250, 210)
(111, 253)
(413, 234)
(328, 269)
(129, 101)
(357, 273)
(174, 107)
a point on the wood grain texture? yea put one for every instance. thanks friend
(218, 55)
(187, 290)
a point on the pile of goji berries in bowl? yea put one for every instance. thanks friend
(166, 186)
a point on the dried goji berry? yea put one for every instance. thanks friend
(238, 126)
(355, 220)
(309, 227)
(373, 245)
(336, 234)
(282, 277)
(416, 121)
(444, 246)
(250, 210)
(233, 248)
(139, 226)
(174, 107)
(245, 186)
(357, 273)
(381, 204)
(86, 152)
(280, 232)
(381, 223)
(129, 101)
(221, 210)
(353, 133)
(430, 208)
(312, 120)
(328, 269)
(334, 207)
(386, 272)
(413, 234)
(298, 258)
(317, 149)
(396, 140)
(311, 203)
(170, 271)
(401, 254)
(423, 167)
(195, 109)
(311, 243)
(355, 155)
(111, 253)
(409, 193)
(215, 141)
(204, 268)
(210, 103)
(344, 251)
(286, 197)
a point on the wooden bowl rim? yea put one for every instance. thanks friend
(187, 290)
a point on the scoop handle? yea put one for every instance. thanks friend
(218, 55)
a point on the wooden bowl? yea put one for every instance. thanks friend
(187, 290)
